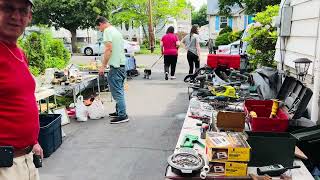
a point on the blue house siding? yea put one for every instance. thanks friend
(245, 21)
(217, 23)
(230, 22)
(250, 19)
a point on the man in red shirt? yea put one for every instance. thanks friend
(19, 119)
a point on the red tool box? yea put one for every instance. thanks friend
(263, 122)
(224, 60)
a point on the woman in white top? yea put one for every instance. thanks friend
(191, 43)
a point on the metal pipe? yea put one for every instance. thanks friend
(316, 85)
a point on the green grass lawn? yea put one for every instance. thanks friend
(144, 50)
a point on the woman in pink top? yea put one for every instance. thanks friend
(169, 48)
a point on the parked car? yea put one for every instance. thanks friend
(232, 48)
(237, 47)
(98, 48)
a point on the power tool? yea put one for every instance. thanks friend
(190, 140)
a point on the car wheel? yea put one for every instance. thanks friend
(88, 51)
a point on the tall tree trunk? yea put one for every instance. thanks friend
(74, 40)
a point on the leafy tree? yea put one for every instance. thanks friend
(262, 38)
(136, 11)
(251, 6)
(200, 17)
(70, 14)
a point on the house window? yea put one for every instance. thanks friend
(223, 22)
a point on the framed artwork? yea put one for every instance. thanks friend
(65, 118)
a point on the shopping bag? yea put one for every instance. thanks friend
(81, 110)
(96, 110)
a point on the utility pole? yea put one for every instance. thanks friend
(151, 34)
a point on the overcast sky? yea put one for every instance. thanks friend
(198, 3)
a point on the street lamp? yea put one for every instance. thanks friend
(302, 65)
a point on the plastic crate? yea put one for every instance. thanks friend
(269, 148)
(227, 61)
(50, 136)
(263, 123)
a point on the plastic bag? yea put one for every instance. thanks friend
(81, 110)
(96, 110)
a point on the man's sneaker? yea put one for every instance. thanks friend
(113, 115)
(173, 77)
(119, 120)
(166, 76)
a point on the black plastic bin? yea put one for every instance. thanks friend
(309, 142)
(50, 136)
(271, 148)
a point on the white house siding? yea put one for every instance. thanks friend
(184, 22)
(304, 33)
(204, 32)
(235, 23)
(304, 40)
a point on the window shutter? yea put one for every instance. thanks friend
(217, 23)
(230, 22)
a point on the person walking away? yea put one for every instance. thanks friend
(191, 43)
(19, 118)
(169, 48)
(115, 57)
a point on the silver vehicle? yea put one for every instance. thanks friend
(98, 48)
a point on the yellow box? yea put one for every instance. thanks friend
(231, 146)
(228, 169)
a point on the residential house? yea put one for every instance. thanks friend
(237, 20)
(301, 40)
(180, 24)
(184, 22)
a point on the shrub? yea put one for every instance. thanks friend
(236, 35)
(43, 51)
(223, 39)
(225, 30)
(34, 48)
(145, 43)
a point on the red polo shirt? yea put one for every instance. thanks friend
(19, 119)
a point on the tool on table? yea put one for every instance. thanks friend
(253, 114)
(186, 161)
(203, 79)
(206, 168)
(274, 170)
(203, 130)
(275, 107)
(189, 141)
(224, 91)
(201, 118)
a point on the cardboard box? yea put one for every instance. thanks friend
(228, 169)
(227, 146)
(231, 121)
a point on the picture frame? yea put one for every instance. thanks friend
(62, 110)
